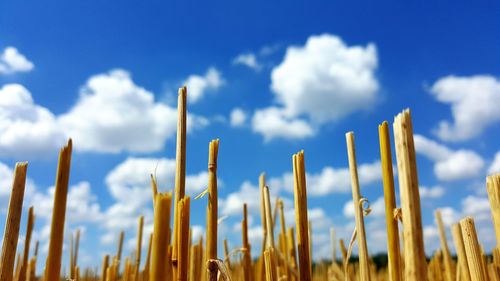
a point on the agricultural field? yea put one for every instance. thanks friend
(286, 253)
(223, 140)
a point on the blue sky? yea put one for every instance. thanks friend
(268, 79)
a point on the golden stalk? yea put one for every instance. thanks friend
(105, 264)
(493, 188)
(75, 252)
(27, 241)
(212, 211)
(393, 251)
(284, 247)
(11, 233)
(227, 260)
(180, 171)
(247, 266)
(159, 270)
(300, 199)
(415, 267)
(118, 256)
(183, 239)
(145, 272)
(290, 238)
(53, 265)
(448, 263)
(269, 254)
(472, 250)
(364, 269)
(458, 240)
(138, 248)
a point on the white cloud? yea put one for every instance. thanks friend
(324, 80)
(272, 122)
(199, 85)
(431, 192)
(495, 165)
(479, 207)
(113, 114)
(233, 203)
(11, 61)
(129, 184)
(238, 117)
(249, 60)
(331, 180)
(82, 205)
(473, 103)
(449, 164)
(26, 129)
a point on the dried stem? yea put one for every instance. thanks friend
(212, 211)
(159, 269)
(364, 270)
(53, 266)
(415, 266)
(300, 199)
(393, 251)
(473, 250)
(11, 233)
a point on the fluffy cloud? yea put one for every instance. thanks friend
(431, 192)
(249, 60)
(26, 129)
(129, 184)
(114, 114)
(233, 203)
(81, 207)
(449, 164)
(11, 61)
(238, 117)
(495, 165)
(473, 103)
(199, 85)
(331, 180)
(272, 122)
(324, 80)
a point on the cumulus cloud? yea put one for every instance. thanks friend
(272, 122)
(473, 103)
(112, 115)
(11, 61)
(238, 117)
(495, 165)
(249, 60)
(199, 85)
(324, 80)
(81, 207)
(449, 164)
(26, 129)
(331, 180)
(129, 184)
(431, 192)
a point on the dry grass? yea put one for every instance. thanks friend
(286, 253)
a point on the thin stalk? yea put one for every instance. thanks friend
(11, 233)
(53, 265)
(393, 251)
